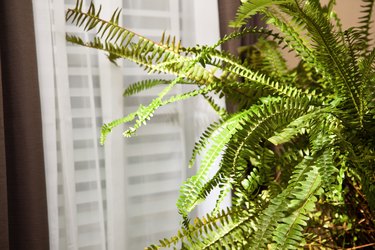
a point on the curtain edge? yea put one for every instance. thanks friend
(26, 213)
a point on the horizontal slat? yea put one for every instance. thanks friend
(87, 154)
(79, 71)
(153, 148)
(166, 221)
(85, 113)
(89, 240)
(147, 22)
(82, 134)
(154, 207)
(84, 92)
(154, 187)
(87, 175)
(82, 179)
(92, 247)
(151, 168)
(146, 13)
(88, 196)
(89, 217)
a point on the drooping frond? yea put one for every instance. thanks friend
(249, 127)
(294, 38)
(190, 189)
(272, 61)
(152, 57)
(219, 110)
(331, 53)
(250, 8)
(123, 43)
(213, 232)
(367, 67)
(365, 21)
(301, 184)
(235, 67)
(144, 113)
(289, 231)
(263, 32)
(143, 85)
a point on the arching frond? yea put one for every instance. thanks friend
(143, 85)
(217, 141)
(365, 21)
(250, 8)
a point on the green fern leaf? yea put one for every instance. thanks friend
(250, 8)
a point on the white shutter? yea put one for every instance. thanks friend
(82, 191)
(154, 157)
(122, 195)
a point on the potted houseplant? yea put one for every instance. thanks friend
(298, 155)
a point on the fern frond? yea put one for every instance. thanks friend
(207, 232)
(235, 67)
(142, 114)
(269, 219)
(184, 96)
(250, 8)
(120, 42)
(298, 126)
(219, 110)
(332, 53)
(200, 225)
(203, 141)
(143, 85)
(191, 188)
(272, 61)
(367, 67)
(289, 231)
(225, 190)
(263, 32)
(154, 61)
(260, 125)
(365, 21)
(293, 36)
(107, 128)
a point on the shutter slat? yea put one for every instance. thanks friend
(153, 188)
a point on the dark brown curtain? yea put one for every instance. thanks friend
(227, 12)
(23, 206)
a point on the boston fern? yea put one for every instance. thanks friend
(299, 153)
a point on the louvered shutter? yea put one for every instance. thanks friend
(121, 196)
(154, 156)
(81, 161)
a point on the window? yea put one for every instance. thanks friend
(121, 196)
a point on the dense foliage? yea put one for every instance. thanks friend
(298, 155)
